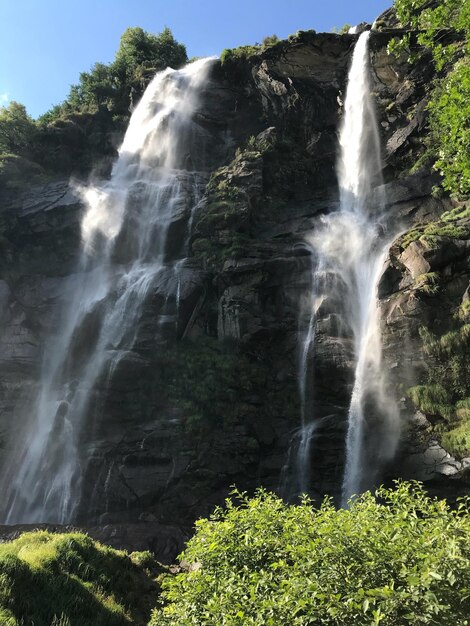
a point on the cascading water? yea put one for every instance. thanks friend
(348, 252)
(125, 239)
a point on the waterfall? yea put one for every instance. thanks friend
(348, 251)
(125, 234)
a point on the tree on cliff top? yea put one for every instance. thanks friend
(140, 51)
(110, 87)
(17, 129)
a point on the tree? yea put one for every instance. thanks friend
(139, 50)
(17, 129)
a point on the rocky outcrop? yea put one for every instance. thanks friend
(424, 286)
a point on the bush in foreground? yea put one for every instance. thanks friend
(49, 579)
(396, 558)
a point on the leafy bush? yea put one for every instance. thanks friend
(270, 40)
(70, 580)
(395, 558)
(240, 53)
(450, 128)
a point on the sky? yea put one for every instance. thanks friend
(45, 44)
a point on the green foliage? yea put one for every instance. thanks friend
(68, 579)
(141, 54)
(270, 40)
(457, 439)
(432, 399)
(17, 129)
(110, 87)
(242, 53)
(394, 559)
(449, 105)
(450, 128)
(73, 134)
(432, 17)
(428, 283)
(446, 391)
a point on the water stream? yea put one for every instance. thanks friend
(126, 232)
(348, 252)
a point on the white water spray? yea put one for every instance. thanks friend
(125, 235)
(349, 249)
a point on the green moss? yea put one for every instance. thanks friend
(463, 312)
(61, 579)
(219, 226)
(452, 224)
(460, 212)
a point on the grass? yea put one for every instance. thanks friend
(49, 579)
(428, 283)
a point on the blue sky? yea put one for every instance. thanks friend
(45, 44)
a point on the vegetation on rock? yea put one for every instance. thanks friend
(244, 52)
(49, 579)
(395, 558)
(445, 393)
(139, 56)
(453, 224)
(449, 104)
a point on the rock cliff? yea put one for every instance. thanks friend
(214, 401)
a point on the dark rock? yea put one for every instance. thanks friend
(212, 399)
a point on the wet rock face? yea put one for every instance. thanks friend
(208, 397)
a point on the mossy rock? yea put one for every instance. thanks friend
(454, 224)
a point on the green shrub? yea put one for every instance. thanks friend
(270, 40)
(450, 128)
(393, 559)
(240, 53)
